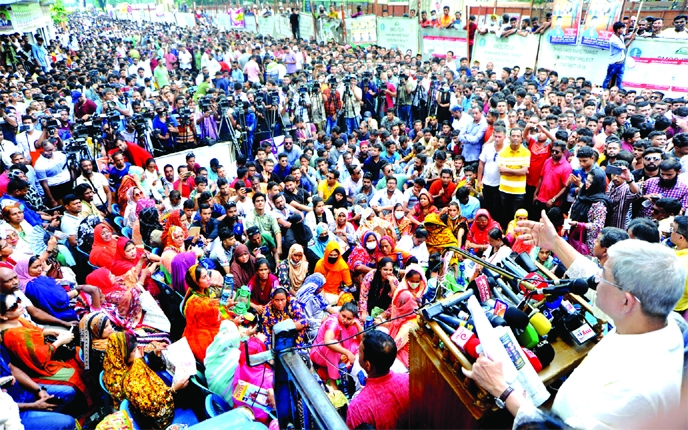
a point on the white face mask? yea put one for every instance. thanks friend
(399, 214)
(371, 245)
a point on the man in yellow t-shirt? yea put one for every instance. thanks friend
(513, 161)
(326, 188)
(679, 237)
(445, 20)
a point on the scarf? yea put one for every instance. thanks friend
(338, 266)
(480, 236)
(102, 253)
(309, 296)
(149, 395)
(243, 272)
(439, 235)
(101, 278)
(180, 265)
(302, 235)
(596, 192)
(22, 271)
(403, 285)
(403, 303)
(297, 272)
(418, 210)
(338, 204)
(173, 219)
(316, 245)
(91, 329)
(115, 366)
(395, 252)
(121, 264)
(127, 310)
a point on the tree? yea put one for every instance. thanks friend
(58, 13)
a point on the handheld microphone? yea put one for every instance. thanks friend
(592, 285)
(450, 320)
(540, 323)
(527, 337)
(576, 286)
(516, 319)
(525, 262)
(467, 341)
(437, 308)
(544, 352)
(534, 360)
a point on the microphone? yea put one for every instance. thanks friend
(527, 337)
(540, 323)
(524, 260)
(437, 308)
(592, 285)
(576, 286)
(534, 360)
(516, 319)
(467, 341)
(544, 352)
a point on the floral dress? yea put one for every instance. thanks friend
(273, 316)
(597, 215)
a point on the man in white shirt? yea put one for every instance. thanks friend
(71, 217)
(415, 245)
(617, 55)
(99, 183)
(27, 138)
(52, 174)
(638, 287)
(488, 170)
(384, 200)
(185, 59)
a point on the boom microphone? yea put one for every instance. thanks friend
(576, 286)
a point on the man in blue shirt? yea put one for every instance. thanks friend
(221, 82)
(119, 170)
(165, 125)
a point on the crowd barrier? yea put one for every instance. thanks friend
(653, 63)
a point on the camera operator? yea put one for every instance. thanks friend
(317, 106)
(332, 102)
(186, 131)
(49, 133)
(207, 120)
(352, 98)
(163, 127)
(112, 104)
(369, 92)
(64, 129)
(8, 119)
(405, 90)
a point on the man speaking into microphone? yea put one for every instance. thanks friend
(634, 373)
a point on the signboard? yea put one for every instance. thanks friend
(250, 23)
(185, 19)
(599, 19)
(361, 30)
(236, 17)
(306, 26)
(505, 52)
(436, 42)
(282, 29)
(658, 64)
(574, 60)
(329, 29)
(400, 33)
(565, 21)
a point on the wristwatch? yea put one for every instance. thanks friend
(40, 388)
(501, 400)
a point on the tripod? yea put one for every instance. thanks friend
(233, 138)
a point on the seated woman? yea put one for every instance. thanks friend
(49, 295)
(400, 222)
(344, 231)
(26, 342)
(336, 273)
(363, 257)
(292, 271)
(134, 194)
(261, 285)
(478, 238)
(127, 376)
(457, 223)
(104, 246)
(131, 308)
(129, 257)
(371, 222)
(440, 236)
(283, 306)
(172, 238)
(377, 288)
(388, 248)
(180, 265)
(414, 281)
(203, 314)
(343, 325)
(423, 208)
(300, 234)
(94, 331)
(315, 306)
(337, 200)
(319, 214)
(18, 229)
(403, 320)
(518, 246)
(146, 229)
(244, 266)
(497, 249)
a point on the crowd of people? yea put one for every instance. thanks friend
(355, 169)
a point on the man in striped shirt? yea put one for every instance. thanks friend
(513, 161)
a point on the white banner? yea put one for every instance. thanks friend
(573, 60)
(361, 30)
(400, 33)
(505, 52)
(306, 26)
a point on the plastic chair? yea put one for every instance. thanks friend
(119, 221)
(115, 208)
(106, 396)
(124, 406)
(215, 405)
(126, 232)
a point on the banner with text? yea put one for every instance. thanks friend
(185, 19)
(436, 42)
(236, 17)
(574, 60)
(505, 52)
(600, 17)
(329, 29)
(658, 64)
(306, 26)
(361, 30)
(566, 16)
(400, 33)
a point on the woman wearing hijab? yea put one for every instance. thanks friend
(175, 218)
(315, 306)
(320, 241)
(337, 200)
(261, 285)
(589, 211)
(403, 321)
(414, 281)
(130, 257)
(400, 222)
(293, 270)
(344, 231)
(518, 246)
(358, 205)
(424, 207)
(180, 265)
(336, 273)
(104, 246)
(319, 214)
(439, 235)
(300, 234)
(94, 331)
(203, 313)
(371, 222)
(457, 223)
(388, 248)
(222, 360)
(363, 257)
(244, 265)
(478, 238)
(377, 288)
(283, 306)
(134, 194)
(146, 231)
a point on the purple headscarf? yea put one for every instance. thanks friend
(180, 264)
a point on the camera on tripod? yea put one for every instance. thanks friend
(205, 103)
(139, 122)
(184, 116)
(51, 125)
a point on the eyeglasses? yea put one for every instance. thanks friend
(15, 306)
(598, 278)
(653, 158)
(330, 177)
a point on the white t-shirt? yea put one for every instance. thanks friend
(185, 59)
(488, 155)
(52, 169)
(420, 251)
(625, 381)
(98, 181)
(27, 142)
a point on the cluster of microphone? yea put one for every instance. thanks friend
(531, 318)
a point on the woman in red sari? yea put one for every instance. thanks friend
(130, 257)
(422, 208)
(388, 248)
(34, 355)
(478, 238)
(104, 246)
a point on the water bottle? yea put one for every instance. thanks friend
(461, 279)
(470, 265)
(369, 321)
(343, 379)
(227, 290)
(400, 260)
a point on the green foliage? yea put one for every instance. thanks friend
(58, 12)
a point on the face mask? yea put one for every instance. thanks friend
(399, 214)
(413, 285)
(294, 263)
(454, 217)
(371, 245)
(323, 239)
(332, 260)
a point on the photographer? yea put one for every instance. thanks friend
(332, 102)
(404, 98)
(318, 114)
(369, 92)
(186, 132)
(163, 127)
(207, 121)
(352, 97)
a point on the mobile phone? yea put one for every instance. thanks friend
(55, 400)
(614, 170)
(6, 381)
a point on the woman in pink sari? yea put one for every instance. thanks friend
(404, 303)
(336, 327)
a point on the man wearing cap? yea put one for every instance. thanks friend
(83, 107)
